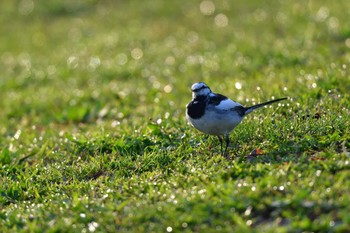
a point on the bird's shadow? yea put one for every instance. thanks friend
(277, 156)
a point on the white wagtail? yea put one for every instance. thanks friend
(215, 114)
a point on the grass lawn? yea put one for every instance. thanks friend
(93, 135)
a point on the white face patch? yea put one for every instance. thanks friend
(200, 89)
(202, 92)
(198, 86)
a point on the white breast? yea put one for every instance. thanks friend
(218, 120)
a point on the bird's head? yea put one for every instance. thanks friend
(200, 89)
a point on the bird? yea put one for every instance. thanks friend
(216, 114)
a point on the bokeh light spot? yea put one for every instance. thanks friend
(26, 7)
(136, 53)
(221, 20)
(238, 85)
(322, 14)
(122, 59)
(207, 7)
(168, 88)
(347, 42)
(72, 62)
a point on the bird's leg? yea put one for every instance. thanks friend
(227, 140)
(220, 140)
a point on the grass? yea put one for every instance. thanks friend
(93, 136)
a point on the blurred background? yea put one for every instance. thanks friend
(79, 61)
(93, 135)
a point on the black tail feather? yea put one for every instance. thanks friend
(251, 108)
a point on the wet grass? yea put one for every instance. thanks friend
(93, 136)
